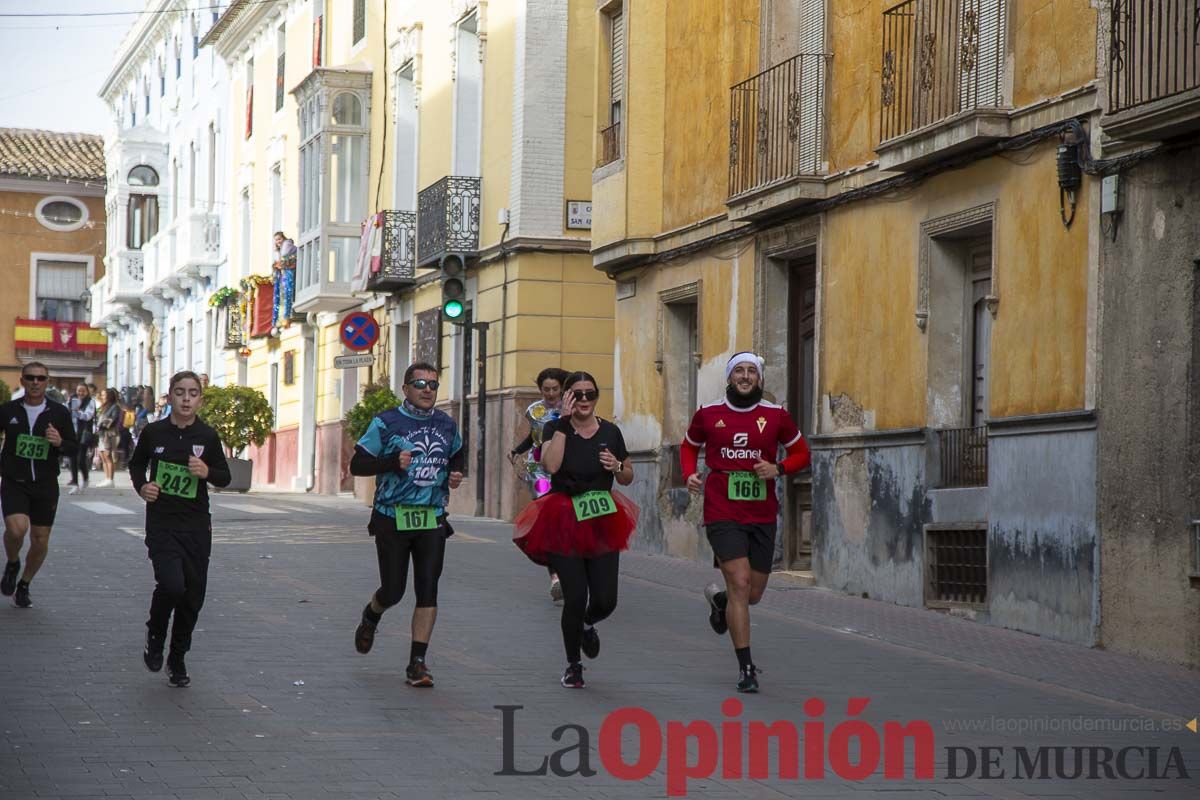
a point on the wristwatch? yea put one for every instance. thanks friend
(620, 466)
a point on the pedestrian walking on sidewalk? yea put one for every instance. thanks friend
(37, 432)
(539, 414)
(741, 435)
(108, 433)
(415, 452)
(83, 416)
(580, 527)
(183, 455)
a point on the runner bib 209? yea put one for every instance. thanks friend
(36, 448)
(415, 518)
(746, 486)
(590, 505)
(175, 480)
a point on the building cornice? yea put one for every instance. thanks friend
(93, 188)
(139, 43)
(246, 21)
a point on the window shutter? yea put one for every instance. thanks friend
(812, 26)
(61, 280)
(616, 88)
(249, 111)
(316, 55)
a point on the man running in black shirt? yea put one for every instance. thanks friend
(37, 431)
(184, 455)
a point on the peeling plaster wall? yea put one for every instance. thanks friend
(869, 512)
(1042, 538)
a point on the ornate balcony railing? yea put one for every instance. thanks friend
(399, 254)
(610, 144)
(1154, 52)
(448, 218)
(940, 58)
(777, 124)
(235, 329)
(963, 456)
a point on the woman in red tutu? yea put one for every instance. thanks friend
(580, 527)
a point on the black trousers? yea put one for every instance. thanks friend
(589, 594)
(180, 559)
(394, 549)
(81, 463)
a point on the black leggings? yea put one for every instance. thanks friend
(81, 463)
(180, 560)
(427, 550)
(589, 594)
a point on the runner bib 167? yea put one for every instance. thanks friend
(415, 518)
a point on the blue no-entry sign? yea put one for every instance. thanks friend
(359, 331)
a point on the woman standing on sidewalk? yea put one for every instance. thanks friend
(580, 527)
(108, 431)
(184, 456)
(540, 414)
(83, 416)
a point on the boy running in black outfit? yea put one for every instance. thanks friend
(184, 455)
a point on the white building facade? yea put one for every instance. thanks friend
(166, 199)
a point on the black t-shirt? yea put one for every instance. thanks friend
(581, 470)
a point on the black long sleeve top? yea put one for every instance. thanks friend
(15, 424)
(165, 449)
(364, 465)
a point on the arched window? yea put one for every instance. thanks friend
(347, 109)
(142, 175)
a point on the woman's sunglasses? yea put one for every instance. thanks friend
(579, 394)
(421, 383)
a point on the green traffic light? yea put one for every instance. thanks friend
(453, 309)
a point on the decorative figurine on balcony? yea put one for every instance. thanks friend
(285, 280)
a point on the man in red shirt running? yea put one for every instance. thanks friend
(741, 435)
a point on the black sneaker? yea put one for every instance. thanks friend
(22, 600)
(748, 680)
(716, 614)
(9, 582)
(152, 656)
(177, 674)
(418, 674)
(364, 637)
(573, 676)
(589, 642)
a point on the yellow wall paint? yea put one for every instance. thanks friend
(1046, 62)
(696, 155)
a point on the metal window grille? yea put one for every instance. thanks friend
(1154, 51)
(963, 457)
(956, 568)
(610, 144)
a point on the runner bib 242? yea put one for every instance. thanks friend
(175, 480)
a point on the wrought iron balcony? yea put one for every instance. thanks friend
(963, 457)
(941, 58)
(777, 124)
(399, 255)
(610, 144)
(448, 218)
(235, 330)
(1154, 67)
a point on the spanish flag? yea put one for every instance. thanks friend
(62, 337)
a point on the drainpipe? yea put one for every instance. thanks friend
(311, 322)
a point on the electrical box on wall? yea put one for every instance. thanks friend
(502, 217)
(1110, 194)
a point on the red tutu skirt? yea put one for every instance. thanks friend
(548, 526)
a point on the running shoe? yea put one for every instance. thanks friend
(589, 642)
(177, 674)
(716, 614)
(8, 583)
(748, 680)
(74, 489)
(364, 637)
(418, 674)
(573, 676)
(152, 656)
(22, 600)
(555, 589)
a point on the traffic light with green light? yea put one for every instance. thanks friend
(454, 288)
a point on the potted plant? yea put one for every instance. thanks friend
(5, 392)
(241, 416)
(377, 397)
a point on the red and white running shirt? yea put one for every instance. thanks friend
(734, 440)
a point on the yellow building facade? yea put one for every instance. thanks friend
(870, 198)
(461, 129)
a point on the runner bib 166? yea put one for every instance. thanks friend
(746, 486)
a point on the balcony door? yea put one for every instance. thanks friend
(802, 326)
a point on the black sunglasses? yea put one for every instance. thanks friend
(35, 378)
(421, 383)
(582, 395)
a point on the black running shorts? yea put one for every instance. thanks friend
(755, 541)
(39, 502)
